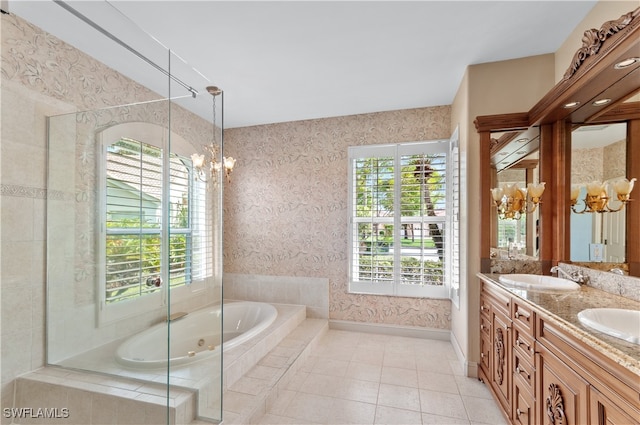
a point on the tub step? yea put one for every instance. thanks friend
(246, 400)
(95, 398)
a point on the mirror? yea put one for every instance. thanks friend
(515, 161)
(598, 153)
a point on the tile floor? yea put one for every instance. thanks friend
(361, 378)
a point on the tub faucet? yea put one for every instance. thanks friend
(575, 276)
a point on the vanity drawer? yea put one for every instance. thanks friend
(485, 326)
(523, 343)
(485, 305)
(523, 405)
(523, 371)
(522, 315)
(485, 353)
(496, 299)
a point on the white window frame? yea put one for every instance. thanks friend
(396, 288)
(156, 136)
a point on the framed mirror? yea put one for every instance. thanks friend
(515, 161)
(599, 87)
(598, 154)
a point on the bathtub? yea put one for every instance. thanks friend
(194, 337)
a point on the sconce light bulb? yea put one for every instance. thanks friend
(595, 188)
(536, 190)
(229, 162)
(624, 186)
(497, 194)
(575, 192)
(510, 189)
(197, 160)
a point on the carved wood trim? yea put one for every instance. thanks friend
(592, 40)
(500, 353)
(555, 406)
(502, 122)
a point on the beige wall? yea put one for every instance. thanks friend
(286, 209)
(491, 88)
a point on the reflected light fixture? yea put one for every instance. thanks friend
(207, 166)
(597, 199)
(513, 202)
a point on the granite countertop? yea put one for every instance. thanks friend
(562, 309)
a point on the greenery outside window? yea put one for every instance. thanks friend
(136, 179)
(399, 219)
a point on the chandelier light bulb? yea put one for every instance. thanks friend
(623, 186)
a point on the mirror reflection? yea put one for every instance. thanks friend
(517, 236)
(516, 192)
(598, 183)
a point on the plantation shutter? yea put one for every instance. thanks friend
(398, 219)
(134, 196)
(454, 240)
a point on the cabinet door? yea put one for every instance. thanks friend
(523, 404)
(501, 358)
(562, 394)
(605, 412)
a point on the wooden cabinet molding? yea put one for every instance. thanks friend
(591, 75)
(541, 373)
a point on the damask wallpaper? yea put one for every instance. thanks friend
(286, 207)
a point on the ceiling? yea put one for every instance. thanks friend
(295, 60)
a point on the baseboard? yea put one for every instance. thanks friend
(470, 369)
(385, 329)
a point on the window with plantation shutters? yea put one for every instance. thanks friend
(138, 250)
(454, 203)
(399, 222)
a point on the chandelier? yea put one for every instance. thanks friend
(597, 200)
(206, 165)
(513, 202)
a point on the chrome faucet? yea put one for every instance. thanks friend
(617, 270)
(575, 276)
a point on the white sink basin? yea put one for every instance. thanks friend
(536, 282)
(616, 322)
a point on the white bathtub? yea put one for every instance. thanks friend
(194, 336)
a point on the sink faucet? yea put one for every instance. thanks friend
(575, 276)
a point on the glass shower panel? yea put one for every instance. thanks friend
(134, 237)
(104, 227)
(195, 239)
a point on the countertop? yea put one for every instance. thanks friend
(562, 308)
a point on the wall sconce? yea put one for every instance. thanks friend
(512, 202)
(597, 200)
(207, 166)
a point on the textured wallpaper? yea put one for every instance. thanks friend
(286, 208)
(598, 164)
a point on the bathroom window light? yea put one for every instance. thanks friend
(135, 261)
(399, 222)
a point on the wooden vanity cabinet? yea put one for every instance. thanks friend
(562, 392)
(498, 343)
(541, 374)
(606, 412)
